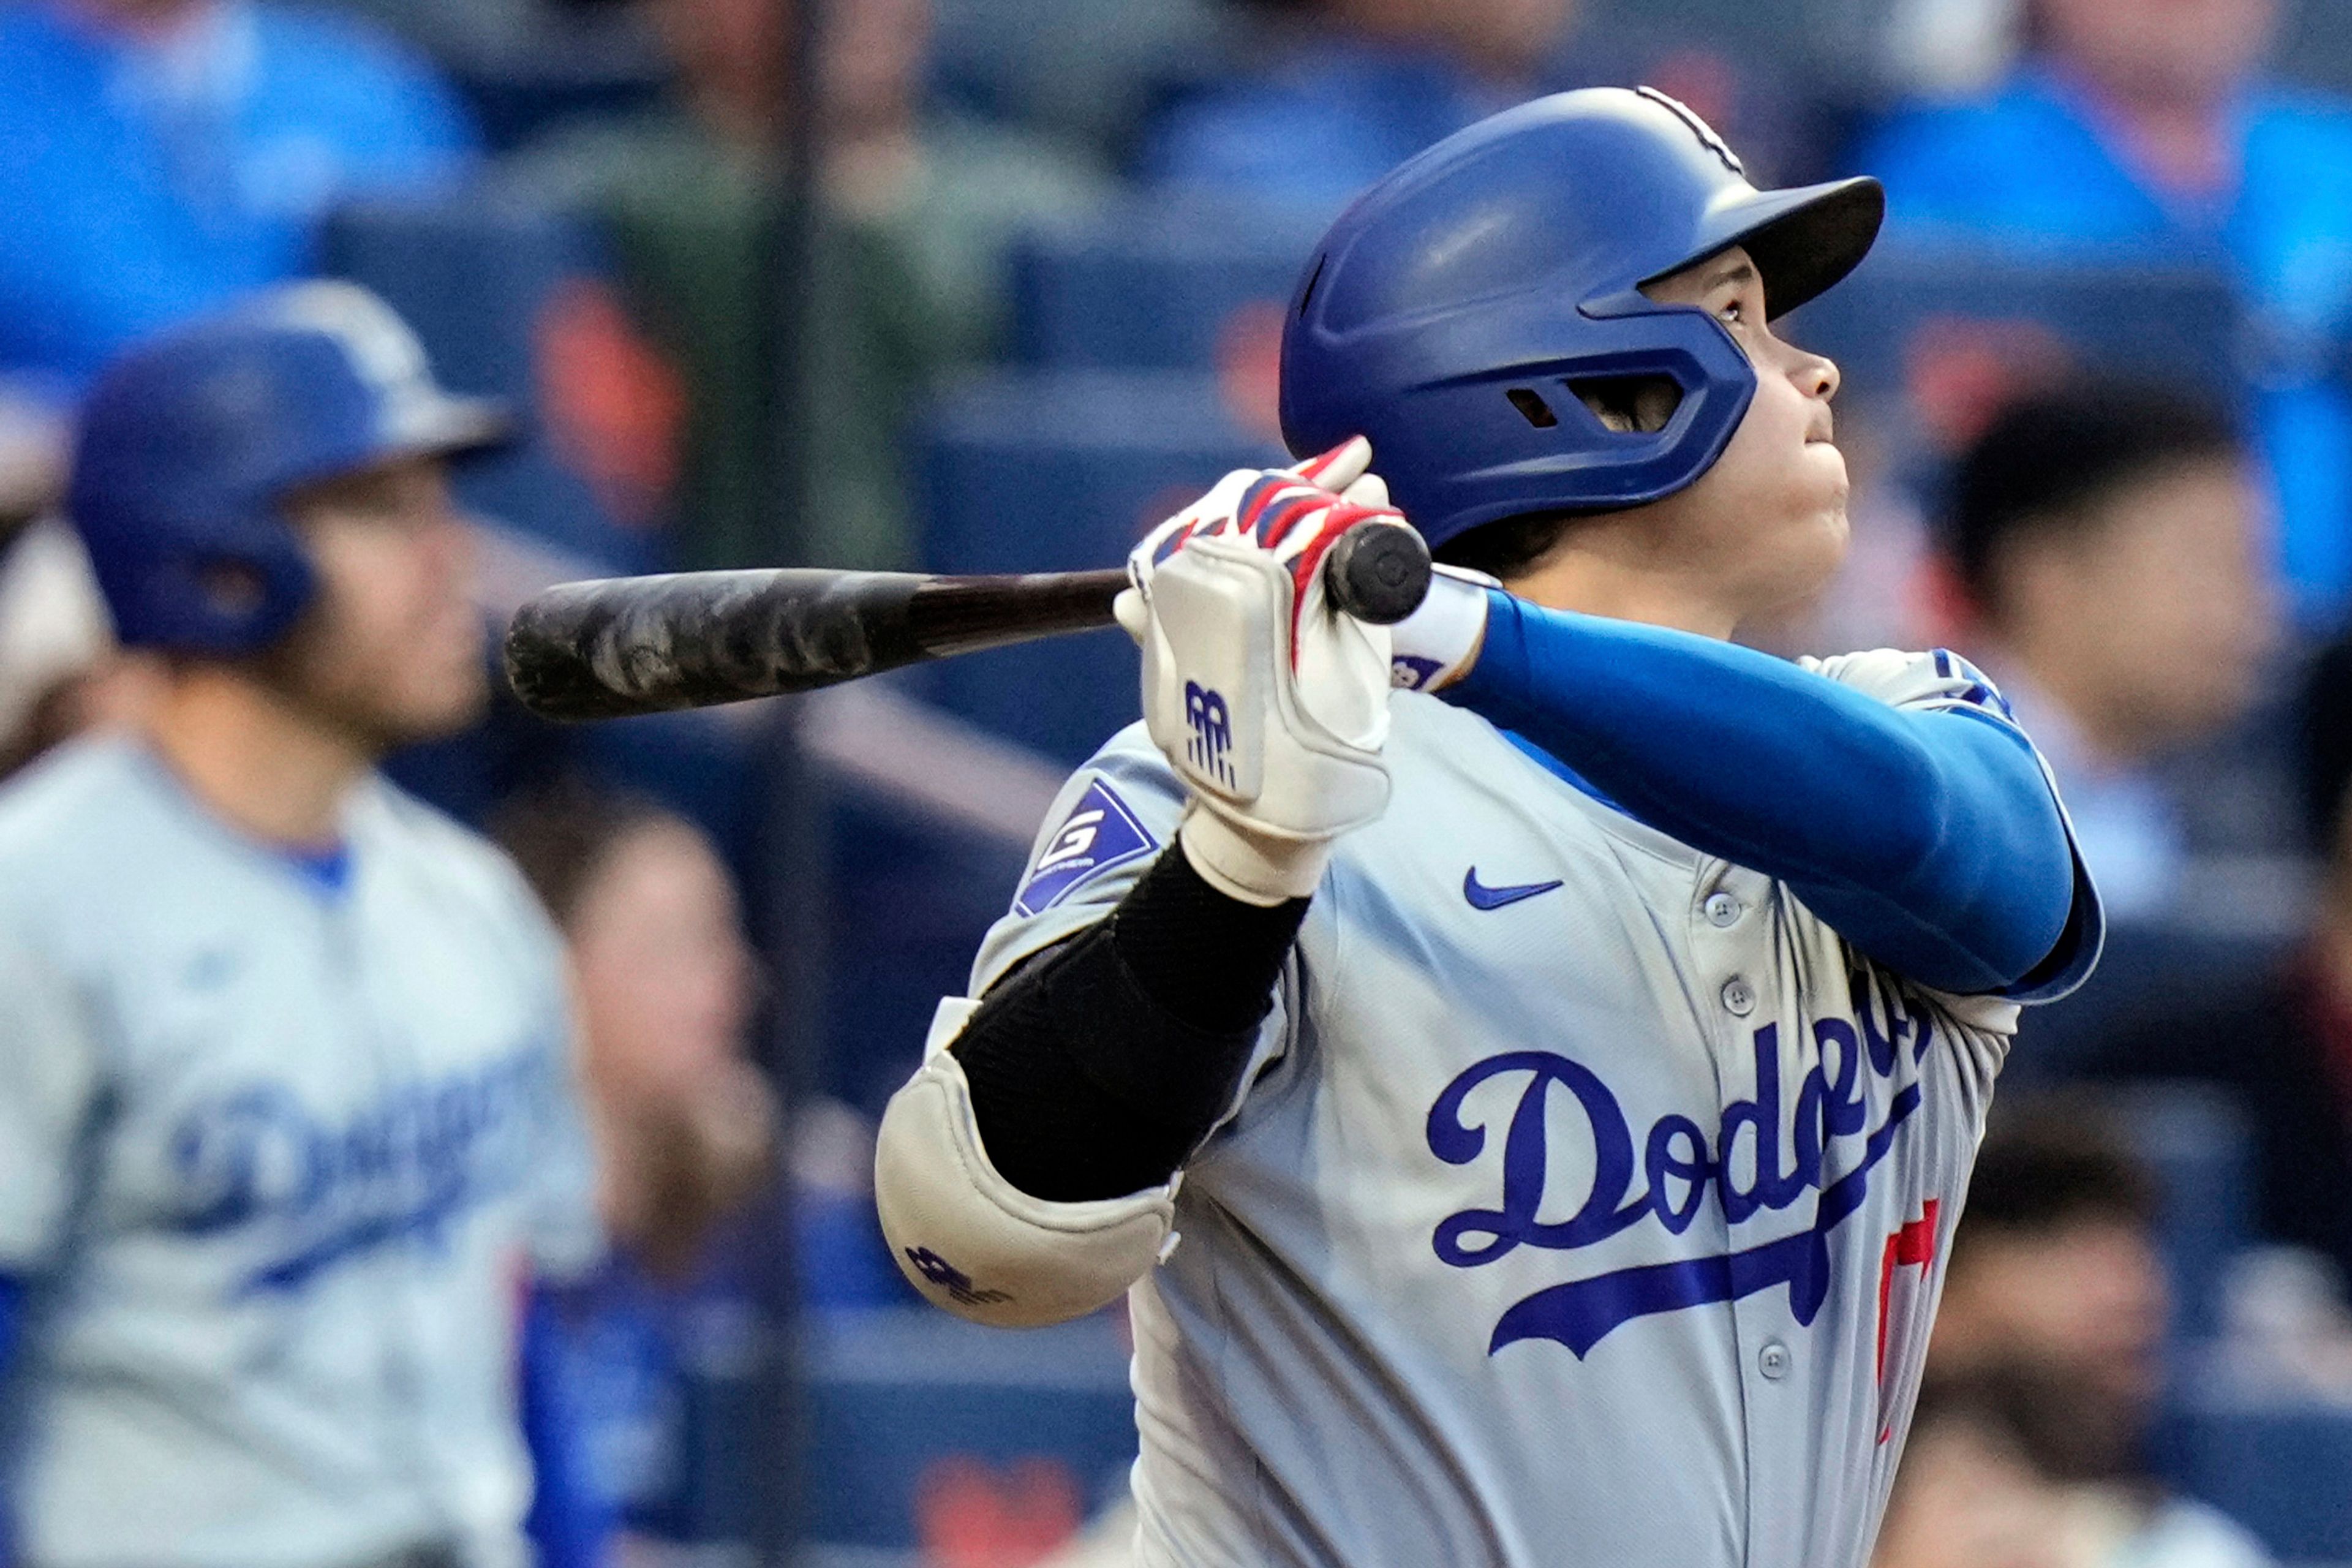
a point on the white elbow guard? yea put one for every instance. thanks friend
(972, 1241)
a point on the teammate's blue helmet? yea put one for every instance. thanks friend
(1452, 312)
(190, 442)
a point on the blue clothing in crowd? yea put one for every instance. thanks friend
(2029, 168)
(1317, 125)
(147, 177)
(662, 1378)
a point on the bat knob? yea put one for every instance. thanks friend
(1378, 572)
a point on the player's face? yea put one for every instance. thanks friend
(1767, 523)
(393, 649)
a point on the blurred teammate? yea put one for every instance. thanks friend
(287, 1131)
(1531, 1115)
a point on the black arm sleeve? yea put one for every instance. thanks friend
(1097, 1067)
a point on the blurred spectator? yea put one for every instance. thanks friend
(1308, 101)
(2108, 542)
(666, 984)
(1994, 1475)
(2146, 129)
(159, 156)
(1346, 89)
(2055, 1261)
(918, 211)
(2047, 1346)
(289, 1147)
(2283, 1041)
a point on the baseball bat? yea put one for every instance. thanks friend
(620, 646)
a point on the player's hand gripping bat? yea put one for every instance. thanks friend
(620, 646)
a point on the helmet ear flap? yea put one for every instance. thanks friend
(229, 597)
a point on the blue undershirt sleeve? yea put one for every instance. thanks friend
(570, 1521)
(1929, 838)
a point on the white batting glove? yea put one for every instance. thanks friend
(1434, 647)
(1270, 705)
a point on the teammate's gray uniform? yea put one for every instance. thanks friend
(1588, 1200)
(278, 1160)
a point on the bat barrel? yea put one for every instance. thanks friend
(619, 645)
(637, 645)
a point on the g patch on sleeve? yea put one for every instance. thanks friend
(1099, 832)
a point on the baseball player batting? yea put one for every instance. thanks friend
(287, 1131)
(1528, 1111)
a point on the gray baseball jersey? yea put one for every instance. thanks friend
(277, 1158)
(1587, 1201)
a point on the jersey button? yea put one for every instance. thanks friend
(1739, 997)
(1772, 1361)
(1722, 910)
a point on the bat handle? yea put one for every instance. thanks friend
(1378, 572)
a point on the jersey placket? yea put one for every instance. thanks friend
(1732, 925)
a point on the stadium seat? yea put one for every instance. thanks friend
(1082, 71)
(1062, 472)
(485, 282)
(2196, 1140)
(2282, 1470)
(1157, 286)
(977, 1444)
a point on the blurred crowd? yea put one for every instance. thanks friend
(749, 271)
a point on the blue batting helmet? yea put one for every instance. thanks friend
(1453, 310)
(190, 441)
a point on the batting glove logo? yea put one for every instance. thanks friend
(1211, 725)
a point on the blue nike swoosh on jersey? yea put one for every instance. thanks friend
(1482, 897)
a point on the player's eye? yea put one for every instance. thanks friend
(1734, 310)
